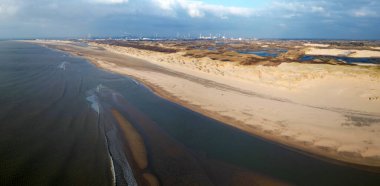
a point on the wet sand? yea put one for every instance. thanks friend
(137, 149)
(171, 161)
(308, 137)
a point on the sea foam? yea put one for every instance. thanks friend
(62, 66)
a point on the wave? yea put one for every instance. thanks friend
(93, 97)
(98, 97)
(134, 81)
(62, 66)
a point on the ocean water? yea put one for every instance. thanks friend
(56, 129)
(265, 53)
(48, 133)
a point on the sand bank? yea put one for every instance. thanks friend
(332, 111)
(316, 45)
(137, 147)
(344, 53)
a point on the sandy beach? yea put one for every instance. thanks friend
(344, 53)
(329, 110)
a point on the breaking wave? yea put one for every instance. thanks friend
(63, 65)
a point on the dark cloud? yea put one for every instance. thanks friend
(357, 19)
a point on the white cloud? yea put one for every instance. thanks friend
(291, 15)
(288, 6)
(198, 8)
(8, 8)
(317, 9)
(109, 1)
(223, 11)
(364, 12)
(298, 8)
(165, 4)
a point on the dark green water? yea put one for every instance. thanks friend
(48, 133)
(55, 130)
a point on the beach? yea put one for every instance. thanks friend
(345, 53)
(332, 111)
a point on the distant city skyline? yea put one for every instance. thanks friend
(309, 19)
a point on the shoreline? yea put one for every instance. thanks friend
(265, 134)
(237, 125)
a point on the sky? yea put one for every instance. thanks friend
(328, 19)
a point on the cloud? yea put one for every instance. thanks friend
(288, 6)
(198, 9)
(166, 4)
(8, 8)
(299, 8)
(317, 9)
(299, 17)
(364, 12)
(109, 1)
(333, 9)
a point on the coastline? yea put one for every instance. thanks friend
(327, 149)
(236, 124)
